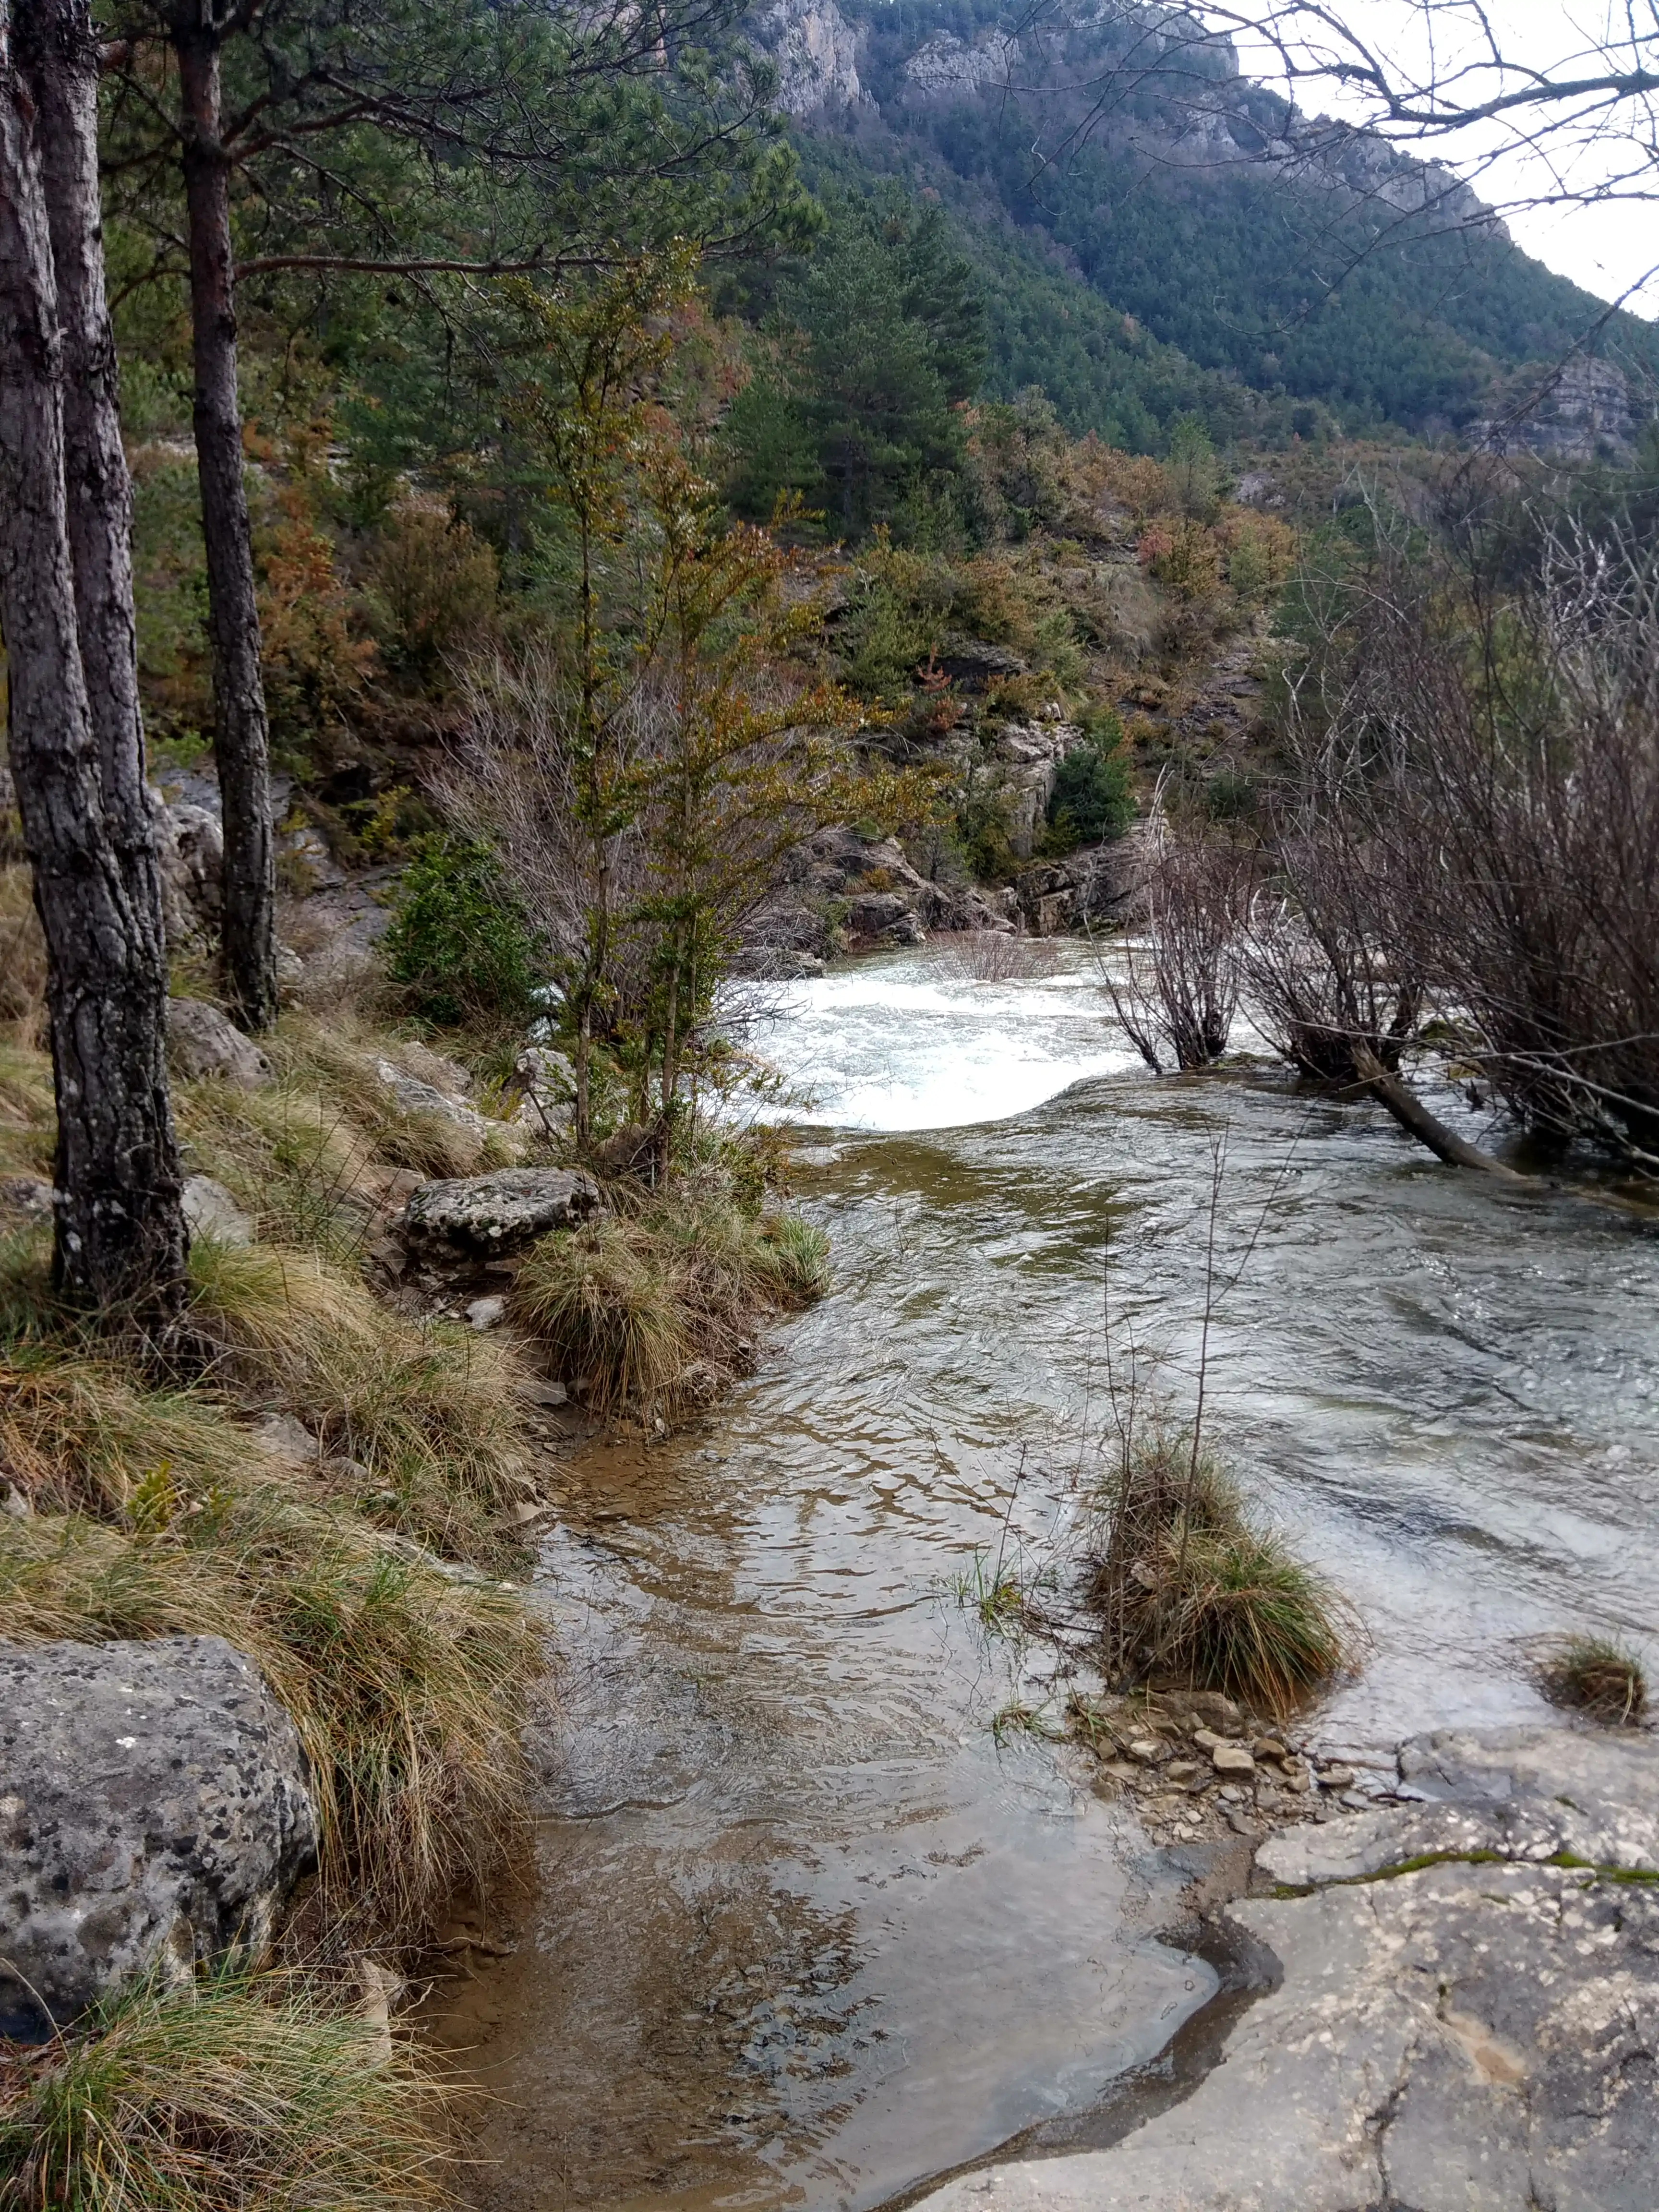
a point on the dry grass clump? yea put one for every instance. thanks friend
(1597, 1676)
(406, 1683)
(23, 962)
(427, 1411)
(1194, 1593)
(225, 2094)
(660, 1308)
(78, 1434)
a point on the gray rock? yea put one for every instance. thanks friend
(1475, 2031)
(212, 1212)
(203, 1042)
(189, 850)
(289, 1438)
(153, 1813)
(414, 1097)
(478, 1216)
(487, 1313)
(25, 1202)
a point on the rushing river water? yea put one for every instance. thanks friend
(806, 1931)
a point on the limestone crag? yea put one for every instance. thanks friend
(153, 1814)
(1469, 2016)
(816, 51)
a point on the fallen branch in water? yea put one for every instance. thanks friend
(1413, 1116)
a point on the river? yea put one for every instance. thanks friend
(806, 1929)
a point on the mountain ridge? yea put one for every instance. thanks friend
(1302, 262)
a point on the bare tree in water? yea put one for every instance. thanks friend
(1500, 766)
(74, 735)
(1176, 987)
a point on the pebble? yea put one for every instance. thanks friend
(1233, 1759)
(1148, 1751)
(487, 1313)
(1336, 1778)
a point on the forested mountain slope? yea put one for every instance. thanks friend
(1153, 228)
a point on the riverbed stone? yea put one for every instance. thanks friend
(155, 1812)
(481, 1216)
(1468, 2017)
(1231, 1759)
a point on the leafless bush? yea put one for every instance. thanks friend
(995, 956)
(1499, 765)
(1318, 955)
(1176, 989)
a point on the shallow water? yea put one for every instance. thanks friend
(805, 1931)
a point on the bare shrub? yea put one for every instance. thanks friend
(1498, 766)
(1176, 992)
(1320, 960)
(995, 955)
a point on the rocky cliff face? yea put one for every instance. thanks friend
(816, 50)
(1584, 413)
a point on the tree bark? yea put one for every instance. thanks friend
(240, 743)
(120, 1241)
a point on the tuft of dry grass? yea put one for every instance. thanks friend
(659, 1309)
(227, 2093)
(1193, 1591)
(79, 1434)
(1596, 1675)
(23, 962)
(428, 1411)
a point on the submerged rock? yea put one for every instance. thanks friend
(1468, 2012)
(477, 1217)
(153, 1814)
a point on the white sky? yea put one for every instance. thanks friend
(1607, 247)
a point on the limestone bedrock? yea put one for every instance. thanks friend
(1468, 2018)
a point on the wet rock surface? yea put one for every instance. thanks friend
(153, 1813)
(1469, 2016)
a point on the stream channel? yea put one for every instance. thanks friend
(805, 1929)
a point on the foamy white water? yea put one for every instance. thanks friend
(900, 1042)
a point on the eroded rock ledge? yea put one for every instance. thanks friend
(1469, 2014)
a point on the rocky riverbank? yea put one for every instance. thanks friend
(1468, 2017)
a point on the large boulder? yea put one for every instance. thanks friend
(203, 1042)
(479, 1217)
(153, 1813)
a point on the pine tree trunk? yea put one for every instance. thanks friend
(120, 1231)
(240, 739)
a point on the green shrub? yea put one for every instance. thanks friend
(460, 945)
(1093, 796)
